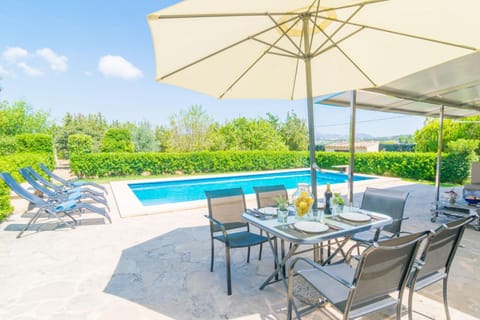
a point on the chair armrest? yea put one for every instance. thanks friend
(319, 268)
(220, 225)
(349, 255)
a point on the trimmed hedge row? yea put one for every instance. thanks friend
(11, 164)
(418, 166)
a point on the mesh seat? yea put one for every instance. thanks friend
(225, 208)
(436, 259)
(388, 202)
(381, 272)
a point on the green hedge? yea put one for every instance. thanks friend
(80, 143)
(26, 142)
(11, 164)
(418, 166)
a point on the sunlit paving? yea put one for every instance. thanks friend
(254, 159)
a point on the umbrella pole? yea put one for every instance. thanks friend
(351, 166)
(311, 123)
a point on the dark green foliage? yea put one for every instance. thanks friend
(80, 143)
(418, 166)
(34, 142)
(11, 164)
(119, 164)
(117, 140)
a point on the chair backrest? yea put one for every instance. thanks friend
(226, 206)
(37, 176)
(267, 194)
(25, 174)
(20, 191)
(440, 250)
(384, 268)
(475, 173)
(389, 202)
(51, 174)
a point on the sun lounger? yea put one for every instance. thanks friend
(63, 188)
(60, 196)
(71, 182)
(52, 209)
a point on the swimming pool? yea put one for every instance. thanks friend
(191, 189)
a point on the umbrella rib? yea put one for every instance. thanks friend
(335, 44)
(288, 37)
(256, 61)
(404, 34)
(221, 50)
(315, 24)
(337, 30)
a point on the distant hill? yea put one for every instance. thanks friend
(322, 138)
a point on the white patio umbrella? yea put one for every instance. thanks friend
(297, 49)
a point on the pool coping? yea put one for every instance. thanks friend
(129, 206)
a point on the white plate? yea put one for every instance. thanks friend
(269, 211)
(353, 216)
(311, 226)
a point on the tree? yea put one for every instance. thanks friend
(117, 140)
(20, 117)
(93, 125)
(144, 138)
(245, 134)
(294, 132)
(188, 131)
(426, 139)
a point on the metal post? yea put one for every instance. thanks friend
(439, 154)
(311, 123)
(351, 166)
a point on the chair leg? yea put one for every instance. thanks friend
(227, 264)
(261, 247)
(411, 291)
(445, 296)
(399, 309)
(248, 255)
(211, 256)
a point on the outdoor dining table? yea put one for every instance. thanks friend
(339, 231)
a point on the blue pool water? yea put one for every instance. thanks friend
(162, 192)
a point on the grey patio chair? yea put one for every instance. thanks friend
(225, 208)
(436, 259)
(382, 271)
(388, 202)
(51, 209)
(266, 197)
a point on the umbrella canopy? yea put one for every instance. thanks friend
(293, 49)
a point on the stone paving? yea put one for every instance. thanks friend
(157, 267)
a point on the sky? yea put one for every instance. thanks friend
(94, 56)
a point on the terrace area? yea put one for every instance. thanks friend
(157, 267)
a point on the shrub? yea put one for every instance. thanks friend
(80, 143)
(117, 140)
(8, 145)
(11, 164)
(34, 142)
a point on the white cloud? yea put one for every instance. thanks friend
(56, 62)
(118, 67)
(29, 70)
(3, 72)
(14, 53)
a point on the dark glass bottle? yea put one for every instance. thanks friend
(328, 199)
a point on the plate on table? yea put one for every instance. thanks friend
(268, 211)
(311, 226)
(355, 217)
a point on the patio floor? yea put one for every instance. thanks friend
(157, 267)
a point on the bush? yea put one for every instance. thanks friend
(8, 145)
(397, 147)
(80, 143)
(117, 140)
(11, 164)
(418, 166)
(34, 142)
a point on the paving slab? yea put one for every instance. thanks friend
(157, 267)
